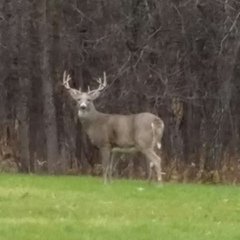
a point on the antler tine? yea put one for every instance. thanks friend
(89, 90)
(104, 79)
(99, 80)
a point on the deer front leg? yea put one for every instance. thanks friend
(105, 157)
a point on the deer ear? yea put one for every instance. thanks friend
(75, 94)
(94, 95)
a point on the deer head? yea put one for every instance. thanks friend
(85, 99)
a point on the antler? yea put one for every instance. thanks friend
(102, 85)
(73, 92)
(66, 80)
(76, 93)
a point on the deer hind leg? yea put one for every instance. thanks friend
(105, 157)
(150, 172)
(111, 164)
(155, 161)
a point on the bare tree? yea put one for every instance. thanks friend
(112, 133)
(177, 59)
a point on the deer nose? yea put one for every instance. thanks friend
(83, 106)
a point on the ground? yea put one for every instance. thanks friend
(70, 207)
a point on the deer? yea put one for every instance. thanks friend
(116, 133)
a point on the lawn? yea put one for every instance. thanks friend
(69, 207)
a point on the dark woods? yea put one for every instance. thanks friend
(179, 59)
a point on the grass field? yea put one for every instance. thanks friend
(67, 207)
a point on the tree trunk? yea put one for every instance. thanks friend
(24, 84)
(2, 79)
(49, 113)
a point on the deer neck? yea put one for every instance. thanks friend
(91, 119)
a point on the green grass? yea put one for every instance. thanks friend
(67, 207)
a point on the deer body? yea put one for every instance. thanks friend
(113, 133)
(121, 131)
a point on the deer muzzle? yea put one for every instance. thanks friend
(83, 106)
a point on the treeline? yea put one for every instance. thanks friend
(179, 59)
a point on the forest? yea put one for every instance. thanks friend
(178, 59)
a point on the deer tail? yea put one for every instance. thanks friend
(157, 133)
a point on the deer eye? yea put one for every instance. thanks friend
(89, 100)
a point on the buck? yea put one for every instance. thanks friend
(114, 133)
